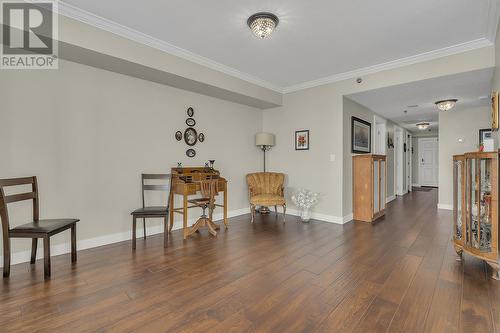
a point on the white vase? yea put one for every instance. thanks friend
(305, 214)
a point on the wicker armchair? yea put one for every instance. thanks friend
(266, 189)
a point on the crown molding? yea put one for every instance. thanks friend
(86, 17)
(89, 18)
(431, 55)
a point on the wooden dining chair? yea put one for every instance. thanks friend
(34, 230)
(152, 211)
(208, 189)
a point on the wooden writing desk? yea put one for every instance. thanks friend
(186, 182)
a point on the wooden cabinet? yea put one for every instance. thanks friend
(475, 207)
(369, 186)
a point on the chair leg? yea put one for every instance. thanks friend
(134, 225)
(34, 244)
(276, 209)
(284, 212)
(6, 257)
(210, 227)
(46, 256)
(252, 212)
(165, 231)
(73, 243)
(144, 226)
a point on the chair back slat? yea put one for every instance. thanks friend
(156, 187)
(208, 188)
(16, 181)
(155, 176)
(6, 199)
(19, 197)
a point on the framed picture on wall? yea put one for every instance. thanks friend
(302, 140)
(484, 134)
(361, 136)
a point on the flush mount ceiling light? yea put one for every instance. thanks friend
(446, 104)
(422, 126)
(263, 24)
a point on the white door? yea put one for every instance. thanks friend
(428, 161)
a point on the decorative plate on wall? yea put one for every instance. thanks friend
(190, 112)
(190, 122)
(178, 135)
(190, 153)
(201, 137)
(190, 136)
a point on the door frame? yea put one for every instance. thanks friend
(420, 141)
(379, 123)
(409, 161)
(398, 160)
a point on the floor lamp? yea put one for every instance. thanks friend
(265, 141)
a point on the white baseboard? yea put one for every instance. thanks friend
(389, 199)
(323, 217)
(416, 185)
(445, 206)
(348, 218)
(83, 244)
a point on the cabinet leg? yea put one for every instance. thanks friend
(495, 269)
(459, 252)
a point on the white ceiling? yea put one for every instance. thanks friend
(418, 98)
(315, 38)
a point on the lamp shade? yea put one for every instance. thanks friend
(264, 139)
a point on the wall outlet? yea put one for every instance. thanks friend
(332, 157)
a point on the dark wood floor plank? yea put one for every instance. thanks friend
(398, 274)
(412, 312)
(380, 313)
(444, 312)
(476, 311)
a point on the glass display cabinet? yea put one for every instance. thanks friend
(475, 207)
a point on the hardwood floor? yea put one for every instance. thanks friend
(399, 275)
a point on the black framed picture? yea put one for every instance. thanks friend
(190, 112)
(190, 136)
(361, 136)
(302, 140)
(190, 122)
(201, 137)
(484, 134)
(190, 153)
(178, 135)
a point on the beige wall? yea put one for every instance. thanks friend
(88, 134)
(312, 109)
(454, 125)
